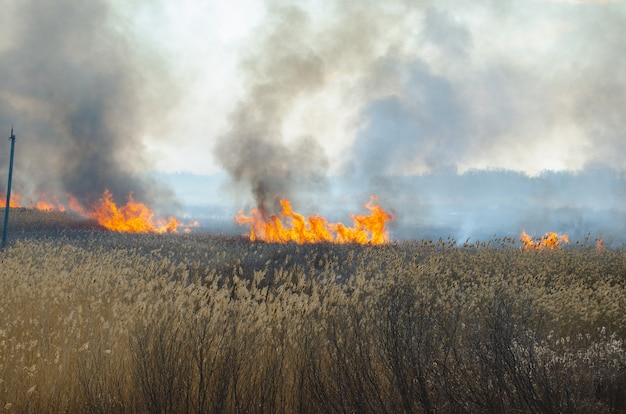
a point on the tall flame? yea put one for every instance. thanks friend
(368, 229)
(133, 217)
(549, 241)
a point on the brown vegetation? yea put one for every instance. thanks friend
(163, 323)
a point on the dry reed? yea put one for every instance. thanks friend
(113, 323)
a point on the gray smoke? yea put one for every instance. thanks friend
(254, 151)
(81, 92)
(291, 57)
(436, 94)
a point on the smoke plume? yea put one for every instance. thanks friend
(440, 89)
(254, 151)
(79, 90)
(295, 55)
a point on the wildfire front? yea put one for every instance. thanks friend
(294, 227)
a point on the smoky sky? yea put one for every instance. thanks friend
(428, 122)
(290, 56)
(418, 88)
(457, 106)
(81, 92)
(442, 89)
(435, 89)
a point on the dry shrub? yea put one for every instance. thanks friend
(114, 323)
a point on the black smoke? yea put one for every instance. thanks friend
(82, 91)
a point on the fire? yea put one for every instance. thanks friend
(75, 206)
(549, 241)
(14, 202)
(600, 245)
(368, 229)
(47, 203)
(191, 224)
(133, 217)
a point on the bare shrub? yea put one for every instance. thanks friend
(96, 322)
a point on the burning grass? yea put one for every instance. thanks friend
(110, 322)
(549, 241)
(132, 217)
(290, 226)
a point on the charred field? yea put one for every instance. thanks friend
(98, 321)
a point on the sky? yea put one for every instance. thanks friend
(280, 95)
(405, 87)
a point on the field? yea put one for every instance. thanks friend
(94, 321)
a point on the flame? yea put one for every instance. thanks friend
(14, 202)
(191, 224)
(75, 205)
(47, 203)
(600, 245)
(549, 241)
(368, 229)
(133, 217)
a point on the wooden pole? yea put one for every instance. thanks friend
(8, 204)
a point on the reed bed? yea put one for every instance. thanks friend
(111, 323)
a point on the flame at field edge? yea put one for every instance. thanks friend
(367, 229)
(132, 217)
(14, 202)
(550, 241)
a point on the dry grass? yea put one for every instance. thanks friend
(100, 322)
(30, 219)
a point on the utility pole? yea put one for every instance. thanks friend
(7, 205)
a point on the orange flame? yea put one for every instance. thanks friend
(14, 202)
(368, 229)
(600, 245)
(549, 241)
(133, 217)
(75, 206)
(191, 224)
(47, 203)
